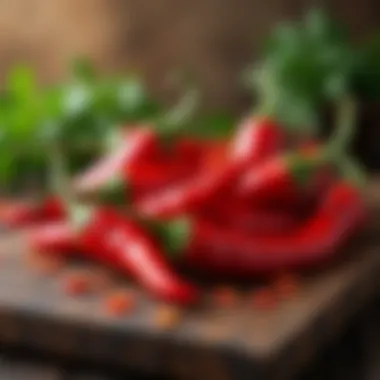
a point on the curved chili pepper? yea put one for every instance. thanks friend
(120, 242)
(55, 237)
(340, 215)
(107, 172)
(146, 263)
(282, 177)
(171, 165)
(255, 220)
(62, 237)
(21, 214)
(214, 174)
(257, 138)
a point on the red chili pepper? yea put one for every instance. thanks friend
(232, 213)
(256, 139)
(169, 165)
(182, 197)
(61, 237)
(21, 214)
(51, 238)
(281, 178)
(155, 175)
(92, 237)
(340, 214)
(108, 172)
(120, 241)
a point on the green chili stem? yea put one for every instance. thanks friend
(78, 214)
(268, 94)
(341, 140)
(344, 131)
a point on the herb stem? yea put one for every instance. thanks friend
(183, 111)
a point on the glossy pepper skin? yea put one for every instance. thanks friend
(56, 237)
(242, 216)
(133, 147)
(143, 259)
(119, 241)
(222, 163)
(22, 214)
(185, 195)
(168, 165)
(61, 237)
(340, 215)
(257, 138)
(281, 178)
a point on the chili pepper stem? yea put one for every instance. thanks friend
(336, 149)
(343, 133)
(174, 121)
(78, 214)
(174, 235)
(114, 192)
(184, 110)
(268, 95)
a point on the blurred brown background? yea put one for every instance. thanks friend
(215, 38)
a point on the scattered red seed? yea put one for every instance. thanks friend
(264, 299)
(45, 263)
(120, 303)
(167, 317)
(286, 286)
(98, 279)
(225, 297)
(77, 284)
(52, 265)
(101, 279)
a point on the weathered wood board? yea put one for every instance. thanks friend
(208, 343)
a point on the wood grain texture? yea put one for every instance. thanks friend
(225, 343)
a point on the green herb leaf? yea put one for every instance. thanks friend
(305, 64)
(21, 83)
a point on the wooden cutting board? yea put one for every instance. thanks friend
(240, 342)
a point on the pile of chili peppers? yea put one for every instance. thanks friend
(243, 206)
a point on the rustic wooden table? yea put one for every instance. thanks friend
(209, 343)
(354, 355)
